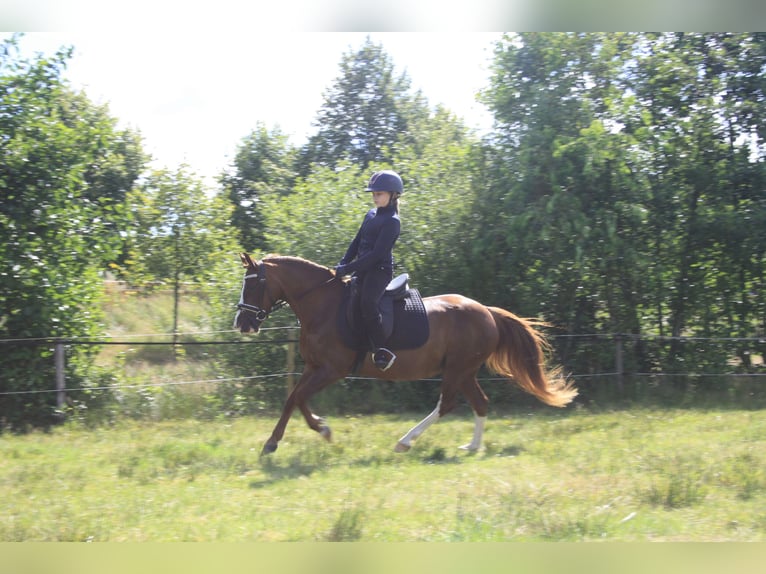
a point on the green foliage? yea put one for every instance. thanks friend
(263, 167)
(180, 231)
(320, 217)
(621, 191)
(624, 170)
(437, 168)
(65, 173)
(322, 214)
(364, 112)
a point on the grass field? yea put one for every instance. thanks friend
(579, 474)
(544, 475)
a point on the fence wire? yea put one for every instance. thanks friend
(107, 340)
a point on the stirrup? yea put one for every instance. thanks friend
(383, 358)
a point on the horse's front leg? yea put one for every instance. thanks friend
(312, 381)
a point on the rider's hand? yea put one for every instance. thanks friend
(340, 270)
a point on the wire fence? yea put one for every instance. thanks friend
(60, 343)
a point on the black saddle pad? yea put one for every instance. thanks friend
(410, 324)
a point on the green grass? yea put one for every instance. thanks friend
(544, 475)
(161, 473)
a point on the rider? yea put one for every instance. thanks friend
(370, 256)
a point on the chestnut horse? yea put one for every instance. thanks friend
(463, 335)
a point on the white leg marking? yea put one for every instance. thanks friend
(478, 433)
(406, 441)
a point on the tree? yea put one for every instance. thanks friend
(263, 166)
(438, 168)
(621, 182)
(363, 114)
(700, 104)
(179, 228)
(320, 216)
(64, 177)
(544, 165)
(369, 121)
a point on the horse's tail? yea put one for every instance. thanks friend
(520, 355)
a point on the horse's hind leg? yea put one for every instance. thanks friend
(469, 386)
(405, 443)
(316, 423)
(447, 402)
(479, 402)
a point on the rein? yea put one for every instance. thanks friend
(310, 289)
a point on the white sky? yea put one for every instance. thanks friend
(194, 96)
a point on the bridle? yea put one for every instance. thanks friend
(260, 313)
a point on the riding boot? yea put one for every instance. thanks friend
(382, 357)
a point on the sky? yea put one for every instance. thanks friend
(195, 95)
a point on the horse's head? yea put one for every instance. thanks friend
(258, 297)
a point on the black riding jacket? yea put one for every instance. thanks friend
(374, 242)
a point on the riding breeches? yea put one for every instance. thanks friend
(374, 285)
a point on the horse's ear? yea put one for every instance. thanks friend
(247, 261)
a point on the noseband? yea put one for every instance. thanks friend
(260, 314)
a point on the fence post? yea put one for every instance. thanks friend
(290, 367)
(58, 356)
(618, 362)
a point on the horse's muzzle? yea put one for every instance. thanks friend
(246, 328)
(247, 322)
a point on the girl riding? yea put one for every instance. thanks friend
(370, 257)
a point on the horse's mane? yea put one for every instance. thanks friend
(273, 257)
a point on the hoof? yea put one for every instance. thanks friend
(268, 448)
(326, 433)
(469, 448)
(400, 447)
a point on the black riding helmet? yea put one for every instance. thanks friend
(386, 180)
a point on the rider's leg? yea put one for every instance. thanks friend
(373, 287)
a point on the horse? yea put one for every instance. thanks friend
(463, 336)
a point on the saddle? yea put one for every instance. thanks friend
(405, 322)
